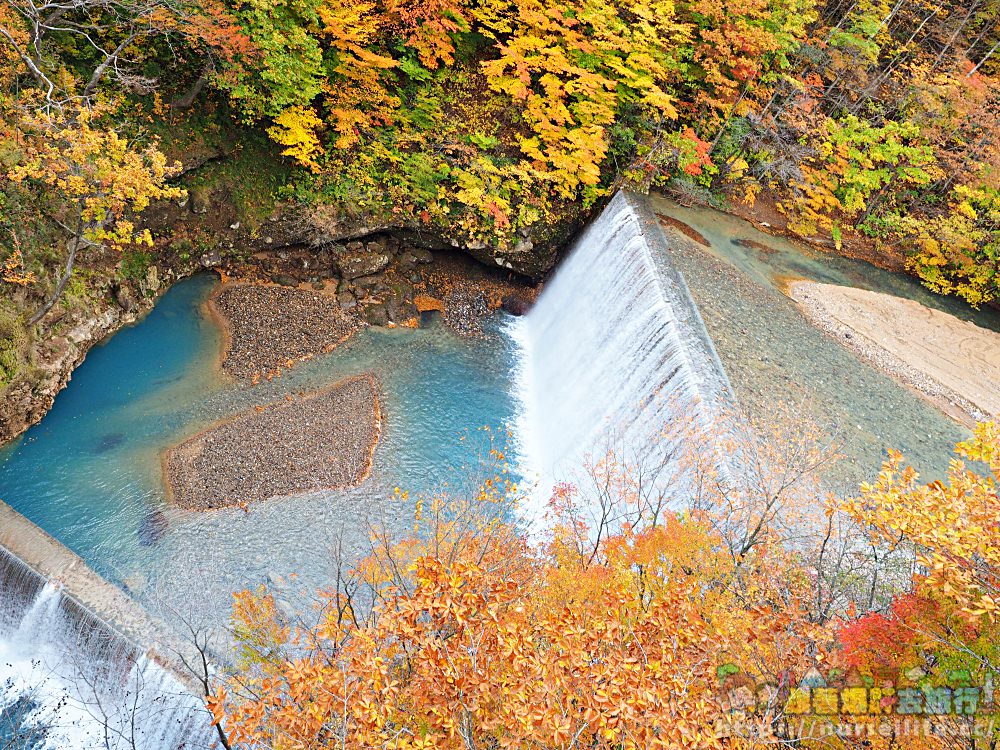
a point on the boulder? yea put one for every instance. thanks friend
(369, 285)
(401, 290)
(401, 310)
(515, 304)
(524, 245)
(201, 199)
(421, 255)
(283, 279)
(123, 297)
(376, 315)
(152, 281)
(392, 310)
(362, 263)
(211, 258)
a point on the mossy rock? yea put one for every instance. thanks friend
(13, 345)
(201, 198)
(9, 365)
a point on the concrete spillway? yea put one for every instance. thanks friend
(613, 350)
(72, 674)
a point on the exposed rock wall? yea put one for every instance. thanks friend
(532, 256)
(61, 343)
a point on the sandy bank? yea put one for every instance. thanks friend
(952, 362)
(324, 440)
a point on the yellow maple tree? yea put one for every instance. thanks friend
(952, 525)
(295, 129)
(99, 177)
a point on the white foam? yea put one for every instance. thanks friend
(72, 695)
(612, 354)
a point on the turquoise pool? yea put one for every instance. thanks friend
(89, 472)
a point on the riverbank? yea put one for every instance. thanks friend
(953, 363)
(319, 441)
(70, 330)
(295, 304)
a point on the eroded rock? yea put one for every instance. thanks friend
(362, 263)
(376, 315)
(516, 304)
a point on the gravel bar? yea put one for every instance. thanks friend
(323, 440)
(271, 327)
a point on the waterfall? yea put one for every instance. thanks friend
(69, 681)
(614, 352)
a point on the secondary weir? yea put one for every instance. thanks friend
(75, 676)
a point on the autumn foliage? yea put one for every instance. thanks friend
(658, 634)
(473, 637)
(870, 125)
(940, 633)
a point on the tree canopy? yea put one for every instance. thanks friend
(869, 123)
(654, 628)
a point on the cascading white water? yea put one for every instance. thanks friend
(614, 350)
(68, 683)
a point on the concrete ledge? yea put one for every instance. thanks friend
(107, 603)
(715, 382)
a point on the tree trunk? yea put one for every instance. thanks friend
(954, 37)
(70, 261)
(986, 57)
(185, 101)
(101, 69)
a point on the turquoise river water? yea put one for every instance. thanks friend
(90, 472)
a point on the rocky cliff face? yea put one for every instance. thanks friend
(213, 211)
(234, 180)
(60, 344)
(292, 245)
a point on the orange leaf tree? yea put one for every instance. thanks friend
(477, 639)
